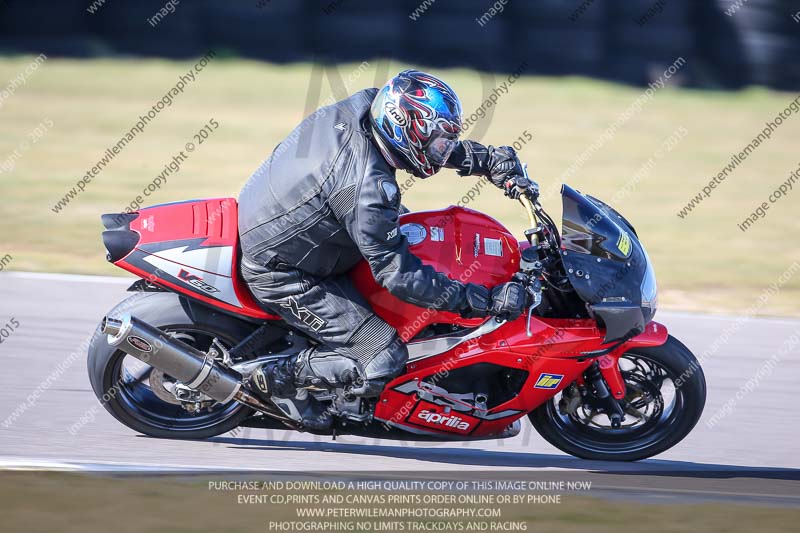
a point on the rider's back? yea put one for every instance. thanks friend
(291, 207)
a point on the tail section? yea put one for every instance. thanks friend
(186, 247)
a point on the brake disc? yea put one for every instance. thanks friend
(643, 399)
(163, 388)
(169, 390)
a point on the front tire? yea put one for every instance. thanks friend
(582, 437)
(129, 394)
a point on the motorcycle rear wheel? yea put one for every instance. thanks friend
(673, 412)
(125, 386)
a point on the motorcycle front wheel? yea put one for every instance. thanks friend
(665, 396)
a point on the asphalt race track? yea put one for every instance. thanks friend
(758, 429)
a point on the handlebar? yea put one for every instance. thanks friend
(533, 187)
(525, 186)
(542, 235)
(528, 195)
(527, 192)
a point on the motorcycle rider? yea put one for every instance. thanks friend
(327, 198)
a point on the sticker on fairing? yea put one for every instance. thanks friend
(493, 247)
(548, 381)
(415, 233)
(437, 233)
(624, 243)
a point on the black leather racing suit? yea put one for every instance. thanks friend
(324, 199)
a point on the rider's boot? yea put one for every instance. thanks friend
(380, 370)
(278, 381)
(288, 381)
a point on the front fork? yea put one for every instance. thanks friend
(606, 379)
(609, 369)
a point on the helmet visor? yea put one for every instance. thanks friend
(440, 147)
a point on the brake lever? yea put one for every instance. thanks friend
(536, 292)
(532, 190)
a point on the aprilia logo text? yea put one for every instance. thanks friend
(452, 421)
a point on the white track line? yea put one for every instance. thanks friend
(46, 276)
(11, 462)
(36, 464)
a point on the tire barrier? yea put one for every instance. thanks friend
(727, 43)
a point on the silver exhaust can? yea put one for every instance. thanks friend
(190, 366)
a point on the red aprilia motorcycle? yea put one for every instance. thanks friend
(598, 378)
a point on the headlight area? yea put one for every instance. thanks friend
(649, 289)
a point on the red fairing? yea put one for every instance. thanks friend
(192, 248)
(464, 244)
(549, 360)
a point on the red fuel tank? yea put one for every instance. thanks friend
(466, 245)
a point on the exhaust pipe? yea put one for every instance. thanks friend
(190, 366)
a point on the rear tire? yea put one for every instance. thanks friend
(586, 442)
(139, 408)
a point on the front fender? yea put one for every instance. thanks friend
(654, 334)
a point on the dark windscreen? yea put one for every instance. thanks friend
(604, 259)
(589, 229)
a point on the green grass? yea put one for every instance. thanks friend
(40, 501)
(703, 262)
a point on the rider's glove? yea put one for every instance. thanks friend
(508, 300)
(504, 166)
(516, 187)
(476, 304)
(474, 159)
